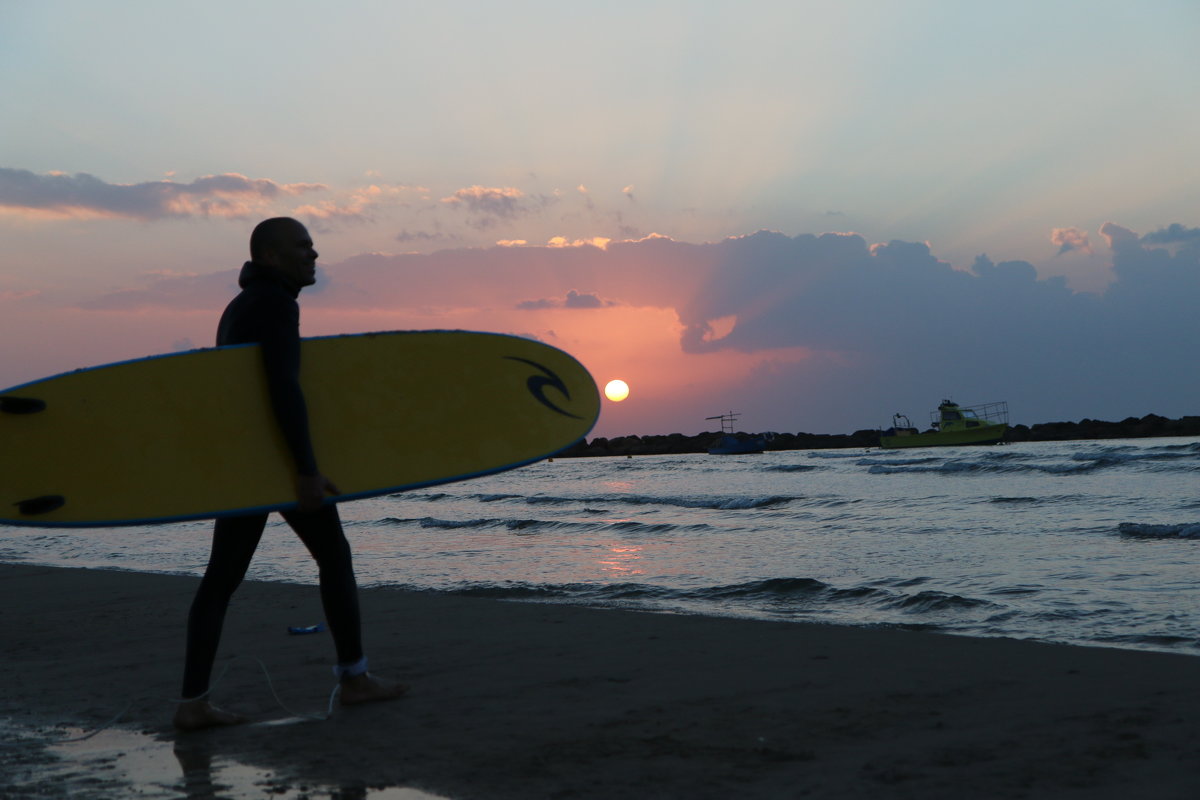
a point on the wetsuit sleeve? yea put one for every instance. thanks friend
(280, 343)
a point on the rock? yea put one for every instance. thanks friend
(678, 443)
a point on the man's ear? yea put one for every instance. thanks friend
(268, 256)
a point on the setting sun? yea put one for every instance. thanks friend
(616, 391)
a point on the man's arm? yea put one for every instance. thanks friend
(280, 346)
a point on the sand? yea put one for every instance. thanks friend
(522, 700)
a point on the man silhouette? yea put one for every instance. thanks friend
(265, 312)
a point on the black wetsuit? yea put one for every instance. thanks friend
(266, 313)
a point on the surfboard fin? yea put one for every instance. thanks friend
(21, 405)
(41, 505)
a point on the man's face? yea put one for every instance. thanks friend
(292, 254)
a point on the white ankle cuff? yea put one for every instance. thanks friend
(351, 670)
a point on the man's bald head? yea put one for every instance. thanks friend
(283, 245)
(270, 234)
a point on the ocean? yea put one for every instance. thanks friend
(1086, 542)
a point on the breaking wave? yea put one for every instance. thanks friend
(778, 595)
(718, 503)
(525, 524)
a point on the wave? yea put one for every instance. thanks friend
(1035, 501)
(1182, 450)
(897, 462)
(630, 526)
(768, 589)
(808, 594)
(773, 588)
(577, 591)
(836, 454)
(829, 501)
(969, 467)
(1144, 531)
(467, 524)
(537, 525)
(1164, 640)
(428, 497)
(930, 601)
(1184, 457)
(727, 503)
(1117, 458)
(792, 468)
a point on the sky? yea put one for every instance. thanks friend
(814, 214)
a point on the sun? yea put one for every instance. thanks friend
(616, 391)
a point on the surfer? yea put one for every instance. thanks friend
(265, 312)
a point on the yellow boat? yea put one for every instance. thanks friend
(952, 425)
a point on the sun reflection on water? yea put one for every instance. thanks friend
(622, 559)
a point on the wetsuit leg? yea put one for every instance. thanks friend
(233, 544)
(321, 532)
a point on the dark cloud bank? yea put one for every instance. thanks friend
(212, 195)
(887, 327)
(883, 328)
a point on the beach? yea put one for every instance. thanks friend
(528, 700)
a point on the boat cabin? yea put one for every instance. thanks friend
(951, 424)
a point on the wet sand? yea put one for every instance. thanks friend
(514, 700)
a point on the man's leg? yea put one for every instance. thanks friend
(321, 532)
(233, 544)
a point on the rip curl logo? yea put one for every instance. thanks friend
(537, 386)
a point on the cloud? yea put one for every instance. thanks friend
(852, 330)
(574, 300)
(1155, 287)
(1173, 234)
(175, 291)
(577, 300)
(18, 294)
(1118, 238)
(490, 205)
(879, 324)
(539, 305)
(84, 195)
(355, 206)
(599, 242)
(424, 236)
(1069, 239)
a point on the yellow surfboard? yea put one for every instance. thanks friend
(191, 435)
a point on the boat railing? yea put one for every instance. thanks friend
(995, 413)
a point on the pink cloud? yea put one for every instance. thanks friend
(488, 205)
(18, 294)
(1069, 239)
(355, 206)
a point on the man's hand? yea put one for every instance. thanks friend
(311, 490)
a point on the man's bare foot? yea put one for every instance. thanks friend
(194, 715)
(366, 688)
